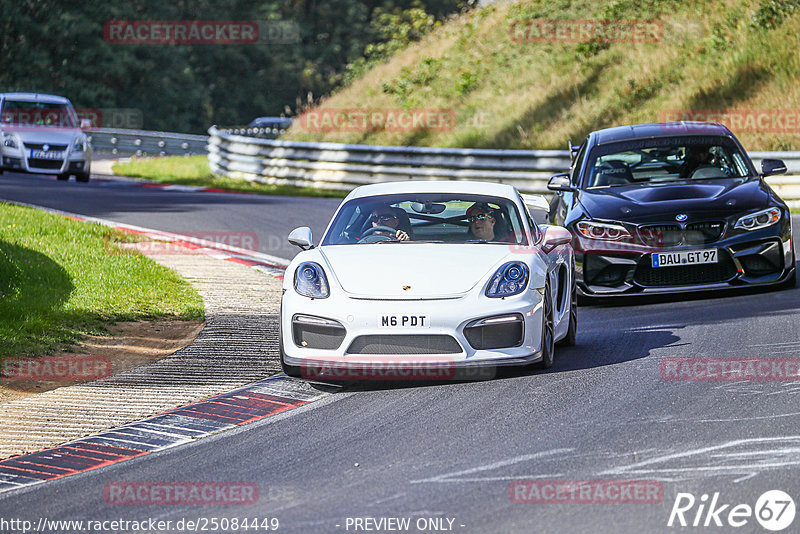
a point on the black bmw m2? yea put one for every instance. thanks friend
(671, 207)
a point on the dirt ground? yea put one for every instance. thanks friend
(132, 344)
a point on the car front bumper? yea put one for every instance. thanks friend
(761, 257)
(20, 160)
(354, 336)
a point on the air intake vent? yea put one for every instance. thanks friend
(404, 344)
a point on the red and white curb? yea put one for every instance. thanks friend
(257, 401)
(124, 181)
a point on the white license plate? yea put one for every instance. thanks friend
(404, 321)
(41, 154)
(690, 257)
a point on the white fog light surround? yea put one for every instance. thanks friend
(602, 231)
(759, 219)
(310, 281)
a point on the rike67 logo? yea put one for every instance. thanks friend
(774, 510)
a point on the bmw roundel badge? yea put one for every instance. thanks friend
(681, 217)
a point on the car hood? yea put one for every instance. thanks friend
(430, 270)
(711, 198)
(44, 134)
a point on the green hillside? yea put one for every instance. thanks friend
(711, 55)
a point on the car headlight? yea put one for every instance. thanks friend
(510, 279)
(310, 281)
(79, 145)
(604, 231)
(10, 140)
(759, 219)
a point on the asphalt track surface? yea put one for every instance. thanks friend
(451, 451)
(264, 220)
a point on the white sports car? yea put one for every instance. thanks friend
(427, 280)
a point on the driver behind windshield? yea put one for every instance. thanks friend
(388, 221)
(695, 160)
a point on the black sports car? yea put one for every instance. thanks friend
(672, 207)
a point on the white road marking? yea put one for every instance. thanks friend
(495, 465)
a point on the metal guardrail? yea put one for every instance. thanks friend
(343, 167)
(146, 143)
(248, 153)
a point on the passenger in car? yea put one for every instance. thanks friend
(483, 224)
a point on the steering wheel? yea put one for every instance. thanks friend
(371, 235)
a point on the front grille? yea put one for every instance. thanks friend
(40, 146)
(670, 235)
(661, 235)
(53, 164)
(404, 344)
(685, 275)
(704, 233)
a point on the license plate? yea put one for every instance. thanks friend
(689, 257)
(41, 154)
(404, 321)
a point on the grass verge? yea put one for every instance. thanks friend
(194, 170)
(516, 93)
(61, 279)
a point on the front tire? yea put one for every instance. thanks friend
(548, 346)
(290, 370)
(82, 177)
(790, 282)
(572, 333)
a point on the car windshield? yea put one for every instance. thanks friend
(427, 217)
(666, 159)
(25, 113)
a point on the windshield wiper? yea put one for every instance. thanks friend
(409, 241)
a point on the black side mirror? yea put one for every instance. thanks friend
(770, 167)
(559, 182)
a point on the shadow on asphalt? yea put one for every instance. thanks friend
(630, 329)
(582, 356)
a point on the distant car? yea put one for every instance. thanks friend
(672, 207)
(41, 134)
(454, 275)
(272, 126)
